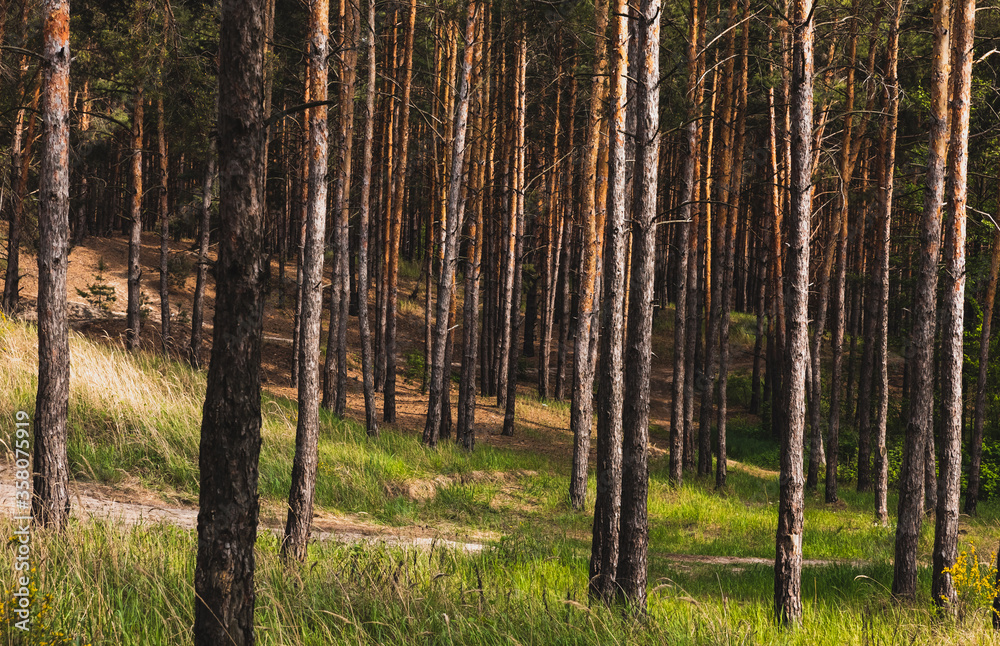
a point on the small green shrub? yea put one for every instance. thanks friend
(99, 293)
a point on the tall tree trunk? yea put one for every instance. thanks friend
(335, 392)
(972, 492)
(517, 222)
(396, 220)
(133, 314)
(919, 426)
(582, 405)
(466, 430)
(367, 369)
(20, 158)
(840, 226)
(161, 138)
(634, 539)
(50, 477)
(231, 421)
(303, 486)
(788, 562)
(687, 208)
(607, 505)
(453, 219)
(198, 306)
(953, 329)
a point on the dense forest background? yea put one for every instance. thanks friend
(803, 198)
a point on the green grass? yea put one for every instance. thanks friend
(136, 417)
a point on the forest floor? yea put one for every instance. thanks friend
(434, 546)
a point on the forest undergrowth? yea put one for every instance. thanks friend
(135, 419)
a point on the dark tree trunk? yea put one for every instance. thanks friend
(788, 562)
(303, 485)
(582, 405)
(198, 306)
(367, 372)
(687, 208)
(972, 493)
(953, 330)
(634, 538)
(921, 421)
(453, 218)
(50, 499)
(161, 135)
(395, 229)
(607, 505)
(231, 421)
(134, 314)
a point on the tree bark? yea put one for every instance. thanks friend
(133, 313)
(161, 138)
(50, 481)
(367, 369)
(582, 404)
(788, 561)
(453, 218)
(231, 421)
(953, 329)
(687, 207)
(303, 486)
(198, 306)
(972, 492)
(911, 478)
(395, 228)
(607, 505)
(634, 538)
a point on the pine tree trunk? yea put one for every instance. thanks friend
(517, 222)
(231, 421)
(607, 504)
(304, 464)
(133, 314)
(634, 538)
(582, 405)
(20, 158)
(688, 189)
(788, 562)
(395, 228)
(198, 306)
(50, 468)
(455, 208)
(367, 369)
(972, 492)
(161, 135)
(953, 296)
(920, 425)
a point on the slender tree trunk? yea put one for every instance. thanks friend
(134, 314)
(517, 221)
(167, 339)
(920, 424)
(634, 539)
(198, 306)
(230, 433)
(453, 219)
(607, 505)
(335, 392)
(953, 330)
(687, 208)
(840, 226)
(20, 158)
(50, 477)
(466, 430)
(395, 228)
(972, 493)
(788, 562)
(303, 486)
(367, 371)
(581, 407)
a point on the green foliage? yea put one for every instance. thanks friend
(179, 267)
(99, 293)
(415, 366)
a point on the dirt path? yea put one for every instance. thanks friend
(343, 530)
